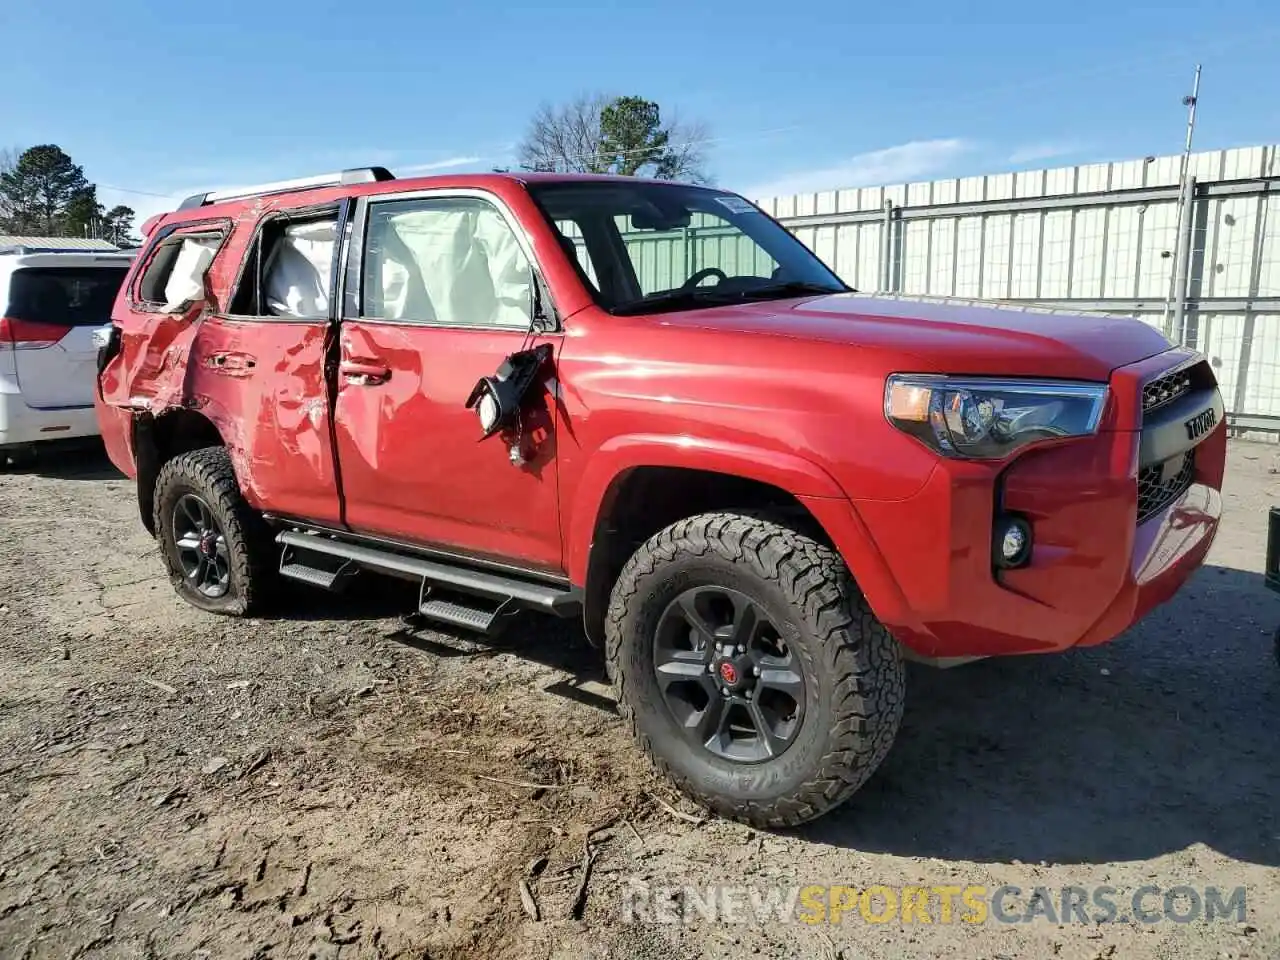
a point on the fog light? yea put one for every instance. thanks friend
(1012, 542)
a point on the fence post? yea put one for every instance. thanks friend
(886, 248)
(1182, 261)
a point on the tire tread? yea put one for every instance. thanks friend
(854, 645)
(209, 471)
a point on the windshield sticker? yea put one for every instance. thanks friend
(735, 205)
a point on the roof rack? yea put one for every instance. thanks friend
(349, 176)
(26, 250)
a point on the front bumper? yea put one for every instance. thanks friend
(1096, 567)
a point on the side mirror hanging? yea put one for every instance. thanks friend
(498, 399)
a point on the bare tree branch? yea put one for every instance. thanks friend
(599, 133)
(8, 160)
(686, 154)
(565, 139)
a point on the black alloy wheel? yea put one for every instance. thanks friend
(219, 552)
(726, 675)
(202, 546)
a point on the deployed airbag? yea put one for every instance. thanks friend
(297, 272)
(186, 279)
(458, 264)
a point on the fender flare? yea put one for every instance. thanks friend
(619, 455)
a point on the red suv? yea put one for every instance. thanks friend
(648, 405)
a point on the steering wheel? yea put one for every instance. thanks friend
(701, 275)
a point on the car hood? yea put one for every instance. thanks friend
(941, 336)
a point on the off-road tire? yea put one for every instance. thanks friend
(208, 474)
(854, 677)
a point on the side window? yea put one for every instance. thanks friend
(447, 261)
(289, 269)
(174, 276)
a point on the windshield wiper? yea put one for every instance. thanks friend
(713, 296)
(791, 288)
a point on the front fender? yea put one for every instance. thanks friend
(618, 455)
(809, 483)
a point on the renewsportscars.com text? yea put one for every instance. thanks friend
(936, 904)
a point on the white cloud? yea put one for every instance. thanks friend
(437, 165)
(900, 164)
(1047, 150)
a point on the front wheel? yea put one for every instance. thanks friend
(216, 547)
(751, 669)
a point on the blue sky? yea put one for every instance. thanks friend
(172, 98)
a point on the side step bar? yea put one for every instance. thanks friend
(489, 597)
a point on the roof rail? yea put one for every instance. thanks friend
(349, 176)
(26, 250)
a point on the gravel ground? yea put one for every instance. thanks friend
(330, 784)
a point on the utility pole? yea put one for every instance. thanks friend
(1182, 254)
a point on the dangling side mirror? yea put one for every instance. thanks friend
(498, 399)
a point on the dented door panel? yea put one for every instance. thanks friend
(261, 382)
(148, 374)
(413, 464)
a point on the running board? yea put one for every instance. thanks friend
(333, 580)
(561, 601)
(471, 613)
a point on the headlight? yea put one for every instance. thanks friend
(988, 419)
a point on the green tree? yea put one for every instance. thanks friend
(620, 135)
(117, 225)
(37, 191)
(631, 135)
(82, 214)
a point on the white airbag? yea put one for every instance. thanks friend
(454, 266)
(297, 274)
(186, 279)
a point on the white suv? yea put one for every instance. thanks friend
(51, 306)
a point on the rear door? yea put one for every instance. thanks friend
(55, 304)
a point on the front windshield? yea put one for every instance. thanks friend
(646, 247)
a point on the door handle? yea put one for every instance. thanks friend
(232, 363)
(362, 373)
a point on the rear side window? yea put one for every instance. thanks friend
(66, 296)
(289, 272)
(175, 275)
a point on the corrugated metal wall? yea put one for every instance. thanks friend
(1099, 237)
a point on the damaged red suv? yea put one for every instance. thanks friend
(648, 405)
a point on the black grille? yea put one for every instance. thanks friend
(1155, 494)
(1165, 389)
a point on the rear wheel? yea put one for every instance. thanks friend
(216, 547)
(751, 669)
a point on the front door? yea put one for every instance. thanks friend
(439, 292)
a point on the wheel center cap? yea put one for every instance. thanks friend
(728, 673)
(209, 544)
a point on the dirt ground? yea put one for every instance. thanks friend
(330, 784)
